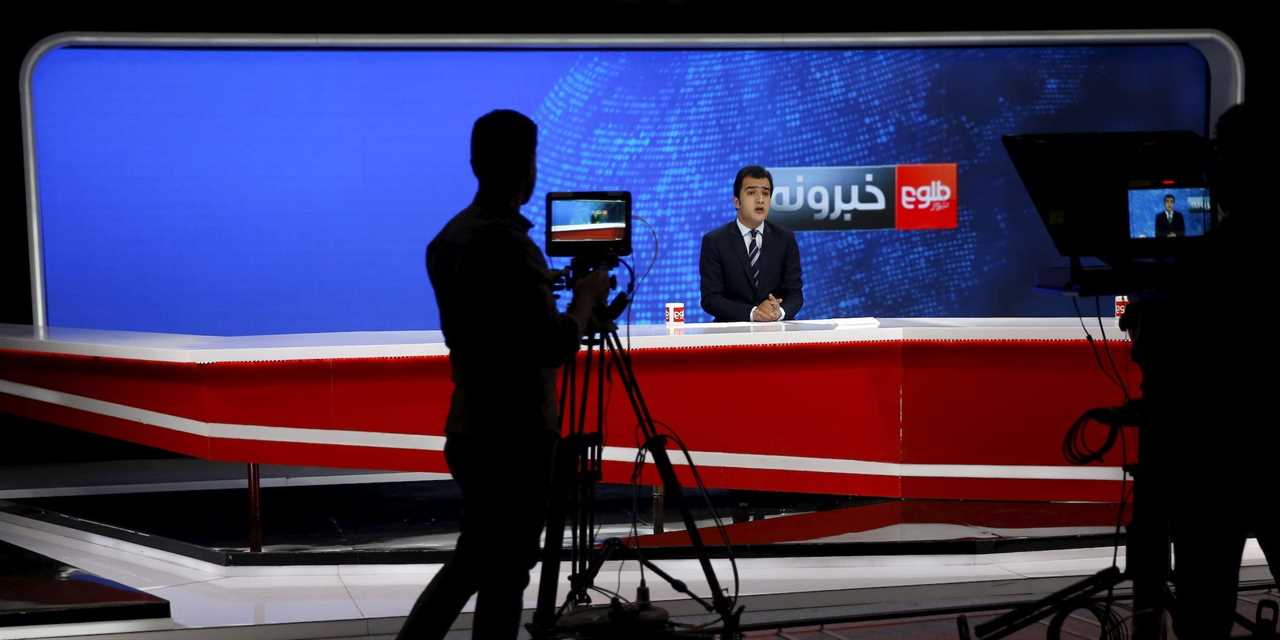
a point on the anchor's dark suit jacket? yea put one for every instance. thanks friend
(727, 291)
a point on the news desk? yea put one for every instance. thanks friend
(938, 408)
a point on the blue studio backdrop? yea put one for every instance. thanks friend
(241, 192)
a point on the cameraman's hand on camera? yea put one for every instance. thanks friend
(589, 291)
(593, 288)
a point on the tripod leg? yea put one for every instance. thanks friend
(580, 472)
(671, 484)
(584, 482)
(657, 509)
(1066, 599)
(615, 547)
(544, 615)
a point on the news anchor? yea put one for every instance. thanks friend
(1169, 223)
(750, 267)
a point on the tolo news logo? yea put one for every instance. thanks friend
(909, 196)
(926, 197)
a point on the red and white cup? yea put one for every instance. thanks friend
(1121, 303)
(674, 313)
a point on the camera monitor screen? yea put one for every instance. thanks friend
(589, 223)
(1098, 194)
(1168, 212)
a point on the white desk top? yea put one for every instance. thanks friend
(169, 347)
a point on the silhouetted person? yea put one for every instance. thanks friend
(506, 339)
(1169, 223)
(1206, 377)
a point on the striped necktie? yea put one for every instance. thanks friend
(753, 255)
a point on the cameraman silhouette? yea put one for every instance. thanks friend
(506, 340)
(1207, 383)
